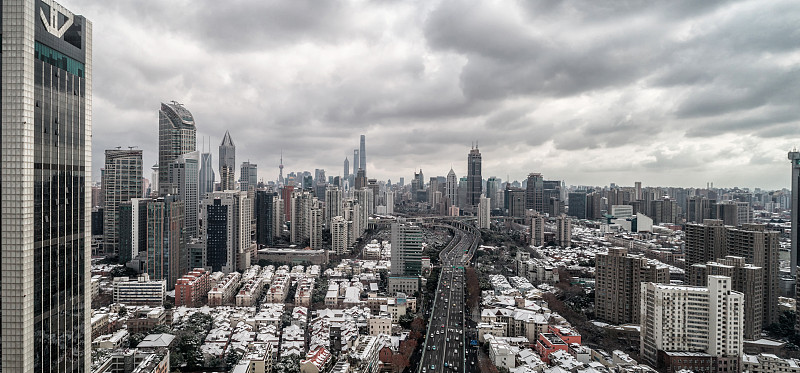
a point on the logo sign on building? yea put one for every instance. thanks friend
(55, 18)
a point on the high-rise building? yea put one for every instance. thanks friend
(515, 202)
(794, 236)
(226, 217)
(184, 184)
(534, 193)
(227, 163)
(362, 163)
(577, 205)
(265, 217)
(167, 258)
(132, 228)
(745, 278)
(346, 168)
(712, 240)
(406, 249)
(473, 178)
(207, 176)
(45, 240)
(248, 177)
(339, 239)
(433, 188)
(495, 192)
(537, 228)
(177, 135)
(699, 209)
(678, 318)
(484, 213)
(122, 181)
(154, 176)
(356, 159)
(618, 279)
(563, 230)
(333, 203)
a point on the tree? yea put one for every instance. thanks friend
(134, 340)
(123, 311)
(399, 362)
(168, 305)
(288, 364)
(405, 321)
(418, 325)
(231, 360)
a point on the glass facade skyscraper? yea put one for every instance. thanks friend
(122, 181)
(45, 171)
(227, 163)
(177, 135)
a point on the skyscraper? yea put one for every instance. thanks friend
(451, 188)
(183, 181)
(362, 163)
(122, 181)
(356, 159)
(618, 279)
(265, 217)
(177, 135)
(167, 258)
(794, 156)
(473, 178)
(534, 193)
(46, 187)
(226, 219)
(346, 168)
(227, 163)
(248, 176)
(207, 176)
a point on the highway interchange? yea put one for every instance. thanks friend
(446, 347)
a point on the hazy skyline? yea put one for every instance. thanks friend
(667, 93)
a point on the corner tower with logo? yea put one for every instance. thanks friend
(45, 171)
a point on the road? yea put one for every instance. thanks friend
(445, 346)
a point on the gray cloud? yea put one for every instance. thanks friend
(589, 91)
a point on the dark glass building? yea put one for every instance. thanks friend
(265, 217)
(45, 174)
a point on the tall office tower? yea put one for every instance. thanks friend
(389, 199)
(183, 181)
(361, 179)
(473, 178)
(515, 202)
(286, 196)
(745, 278)
(618, 279)
(45, 239)
(177, 135)
(402, 182)
(366, 207)
(333, 203)
(301, 202)
(577, 205)
(167, 258)
(494, 191)
(637, 191)
(346, 168)
(563, 230)
(362, 163)
(705, 242)
(728, 212)
(207, 176)
(248, 176)
(227, 163)
(744, 213)
(537, 228)
(319, 176)
(594, 206)
(265, 217)
(132, 228)
(352, 213)
(484, 212)
(794, 236)
(154, 176)
(406, 249)
(122, 181)
(339, 239)
(534, 190)
(664, 211)
(699, 209)
(356, 159)
(315, 222)
(677, 318)
(461, 193)
(226, 227)
(433, 187)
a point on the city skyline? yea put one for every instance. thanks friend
(681, 93)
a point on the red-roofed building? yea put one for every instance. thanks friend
(558, 338)
(315, 361)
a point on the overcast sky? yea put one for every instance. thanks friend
(671, 93)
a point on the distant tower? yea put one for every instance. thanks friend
(362, 163)
(794, 156)
(356, 164)
(280, 168)
(227, 163)
(473, 177)
(177, 135)
(207, 176)
(451, 188)
(346, 168)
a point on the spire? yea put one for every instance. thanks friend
(227, 141)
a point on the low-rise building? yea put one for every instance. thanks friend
(224, 291)
(768, 363)
(141, 292)
(316, 361)
(192, 288)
